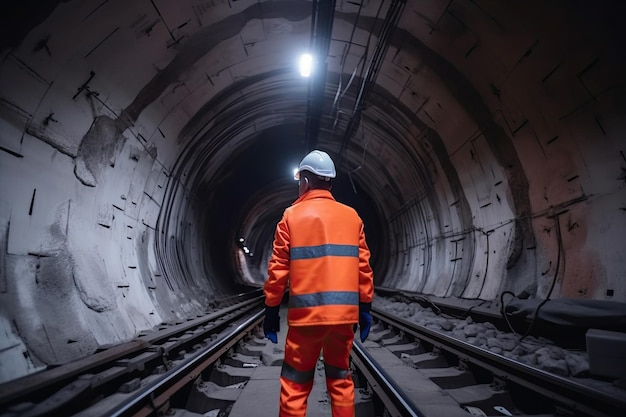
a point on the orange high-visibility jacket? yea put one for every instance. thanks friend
(321, 252)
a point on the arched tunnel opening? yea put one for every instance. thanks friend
(483, 147)
(241, 191)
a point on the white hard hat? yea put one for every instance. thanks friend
(319, 163)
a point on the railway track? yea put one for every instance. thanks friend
(134, 378)
(484, 383)
(219, 365)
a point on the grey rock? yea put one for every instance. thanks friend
(577, 364)
(493, 342)
(471, 330)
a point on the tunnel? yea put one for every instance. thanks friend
(147, 151)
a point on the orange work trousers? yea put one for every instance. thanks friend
(302, 350)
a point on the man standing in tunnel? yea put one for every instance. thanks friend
(320, 251)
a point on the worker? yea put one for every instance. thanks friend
(320, 253)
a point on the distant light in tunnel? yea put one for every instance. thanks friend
(241, 239)
(306, 63)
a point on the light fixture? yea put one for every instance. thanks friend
(306, 63)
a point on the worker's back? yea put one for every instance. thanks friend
(324, 260)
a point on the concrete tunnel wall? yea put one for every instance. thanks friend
(139, 140)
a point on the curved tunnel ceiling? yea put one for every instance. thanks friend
(140, 140)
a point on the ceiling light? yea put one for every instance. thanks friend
(306, 63)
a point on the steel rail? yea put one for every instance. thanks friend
(563, 391)
(53, 380)
(392, 396)
(153, 396)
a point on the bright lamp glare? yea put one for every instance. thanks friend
(306, 62)
(295, 172)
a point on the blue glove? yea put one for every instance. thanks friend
(271, 323)
(365, 320)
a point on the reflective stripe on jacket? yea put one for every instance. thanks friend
(320, 251)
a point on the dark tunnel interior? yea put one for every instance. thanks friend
(232, 208)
